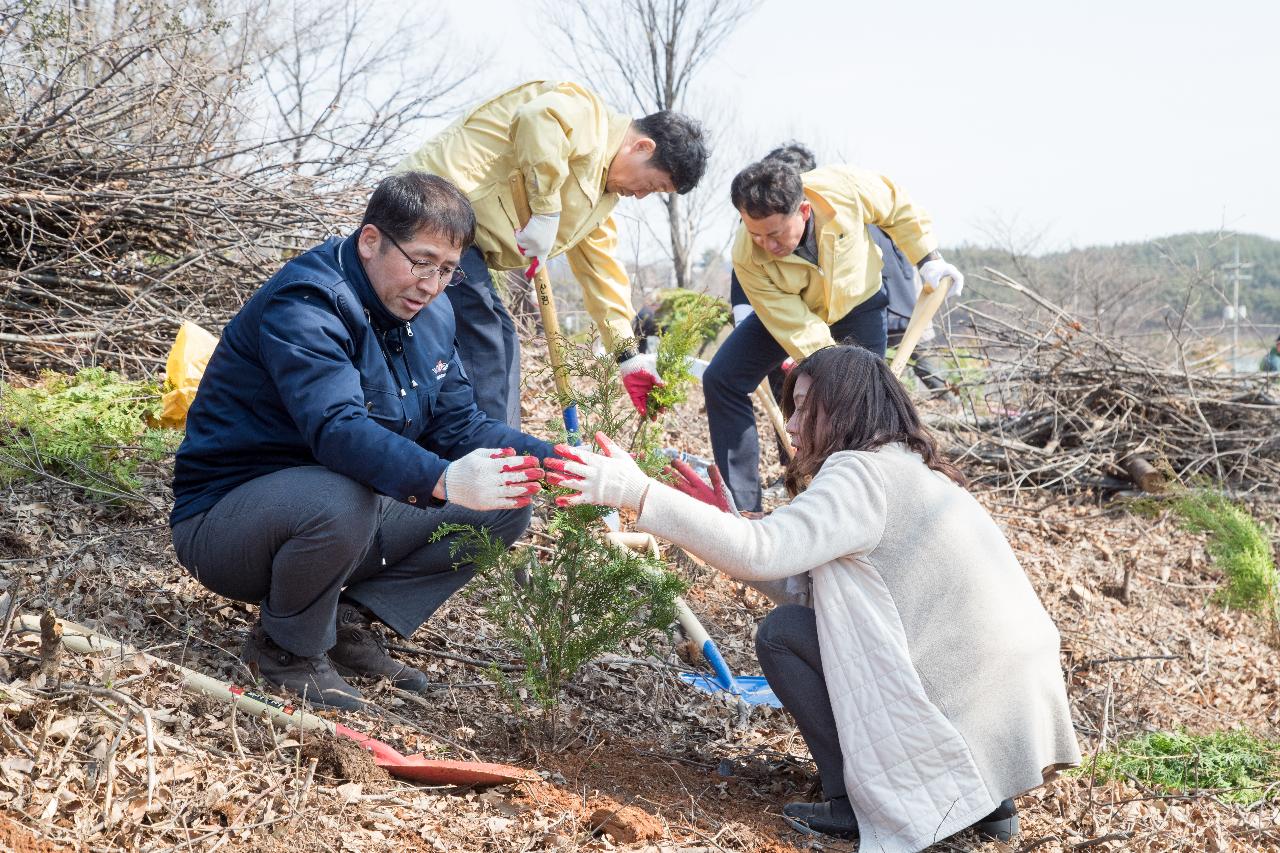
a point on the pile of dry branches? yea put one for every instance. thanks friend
(144, 179)
(1051, 403)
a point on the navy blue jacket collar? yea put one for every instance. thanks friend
(353, 269)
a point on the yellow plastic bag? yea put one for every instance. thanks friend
(185, 365)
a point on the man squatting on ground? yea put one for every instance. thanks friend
(335, 431)
(812, 273)
(555, 150)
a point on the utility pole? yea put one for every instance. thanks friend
(1237, 276)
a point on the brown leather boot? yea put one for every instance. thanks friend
(311, 678)
(362, 651)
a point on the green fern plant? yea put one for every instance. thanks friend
(1234, 766)
(91, 429)
(1238, 545)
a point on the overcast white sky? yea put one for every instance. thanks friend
(1094, 122)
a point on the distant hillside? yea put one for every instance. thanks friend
(1138, 285)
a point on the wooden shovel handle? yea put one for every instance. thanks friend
(921, 316)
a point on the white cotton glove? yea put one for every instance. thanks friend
(933, 272)
(489, 479)
(639, 376)
(537, 237)
(610, 478)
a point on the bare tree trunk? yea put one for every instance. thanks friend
(681, 250)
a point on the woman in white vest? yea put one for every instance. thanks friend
(920, 666)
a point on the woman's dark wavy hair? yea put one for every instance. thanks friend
(864, 407)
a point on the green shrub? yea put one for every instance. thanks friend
(1238, 545)
(1234, 766)
(90, 430)
(583, 599)
(583, 596)
(709, 314)
(693, 320)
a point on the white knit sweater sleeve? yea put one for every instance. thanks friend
(842, 513)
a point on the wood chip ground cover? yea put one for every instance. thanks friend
(636, 760)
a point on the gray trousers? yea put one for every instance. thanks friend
(294, 540)
(787, 646)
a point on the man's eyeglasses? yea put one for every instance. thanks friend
(427, 270)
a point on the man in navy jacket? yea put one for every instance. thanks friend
(334, 432)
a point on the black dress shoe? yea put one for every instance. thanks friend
(1001, 825)
(312, 678)
(362, 651)
(834, 817)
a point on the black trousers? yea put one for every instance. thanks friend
(295, 540)
(744, 359)
(787, 646)
(487, 342)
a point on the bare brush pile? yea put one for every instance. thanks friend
(133, 192)
(1055, 405)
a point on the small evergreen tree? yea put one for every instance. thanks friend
(585, 596)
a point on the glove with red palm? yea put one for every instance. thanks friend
(717, 494)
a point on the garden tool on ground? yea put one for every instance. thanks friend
(414, 768)
(921, 316)
(752, 689)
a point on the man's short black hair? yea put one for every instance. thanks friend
(795, 155)
(680, 149)
(407, 202)
(765, 188)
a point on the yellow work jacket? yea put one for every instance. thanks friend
(542, 147)
(798, 301)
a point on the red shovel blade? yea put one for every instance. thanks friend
(437, 771)
(440, 772)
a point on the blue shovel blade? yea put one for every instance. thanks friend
(753, 689)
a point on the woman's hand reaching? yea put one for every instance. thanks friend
(609, 478)
(687, 480)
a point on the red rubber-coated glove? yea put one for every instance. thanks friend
(717, 494)
(609, 478)
(639, 376)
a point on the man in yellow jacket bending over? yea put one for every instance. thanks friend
(543, 165)
(811, 271)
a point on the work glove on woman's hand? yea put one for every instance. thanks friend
(687, 480)
(933, 272)
(538, 236)
(639, 376)
(609, 478)
(489, 479)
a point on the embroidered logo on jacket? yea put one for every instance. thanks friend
(441, 368)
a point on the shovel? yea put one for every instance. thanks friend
(752, 689)
(921, 317)
(537, 274)
(415, 768)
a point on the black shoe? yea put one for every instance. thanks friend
(1001, 825)
(833, 817)
(311, 678)
(362, 651)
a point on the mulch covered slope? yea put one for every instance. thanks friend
(636, 760)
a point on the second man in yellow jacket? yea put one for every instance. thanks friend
(543, 165)
(812, 273)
